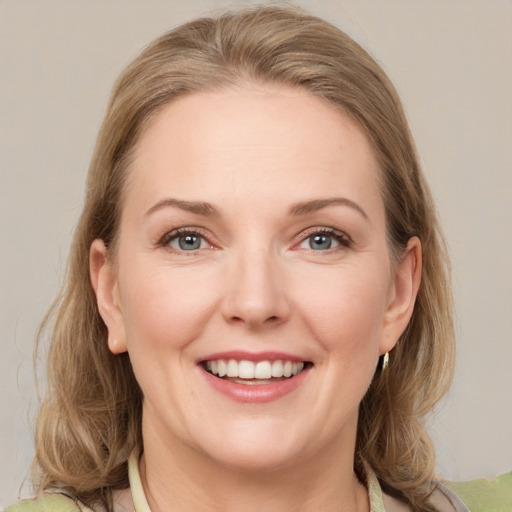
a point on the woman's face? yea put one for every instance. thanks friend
(253, 242)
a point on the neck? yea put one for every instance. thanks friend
(179, 478)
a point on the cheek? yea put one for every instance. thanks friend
(164, 311)
(345, 308)
(166, 308)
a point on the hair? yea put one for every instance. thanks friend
(90, 418)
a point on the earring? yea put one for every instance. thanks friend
(385, 361)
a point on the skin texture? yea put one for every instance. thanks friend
(256, 283)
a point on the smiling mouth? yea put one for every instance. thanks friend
(254, 372)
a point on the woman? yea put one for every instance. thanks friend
(258, 306)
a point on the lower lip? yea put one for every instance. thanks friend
(256, 393)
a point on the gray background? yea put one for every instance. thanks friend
(452, 64)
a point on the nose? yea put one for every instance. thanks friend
(256, 292)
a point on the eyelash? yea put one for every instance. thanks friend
(342, 238)
(176, 233)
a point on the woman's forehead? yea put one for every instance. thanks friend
(252, 142)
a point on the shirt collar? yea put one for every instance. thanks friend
(139, 498)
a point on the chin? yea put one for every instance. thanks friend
(258, 446)
(254, 460)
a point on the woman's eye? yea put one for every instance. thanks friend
(323, 241)
(188, 242)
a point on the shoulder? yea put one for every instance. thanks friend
(483, 495)
(48, 503)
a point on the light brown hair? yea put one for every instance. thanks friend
(90, 419)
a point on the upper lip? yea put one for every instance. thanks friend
(241, 355)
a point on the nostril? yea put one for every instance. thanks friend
(270, 319)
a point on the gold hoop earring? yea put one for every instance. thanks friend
(385, 361)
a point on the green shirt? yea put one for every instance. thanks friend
(485, 496)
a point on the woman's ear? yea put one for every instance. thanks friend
(104, 282)
(404, 289)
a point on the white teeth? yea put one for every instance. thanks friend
(246, 370)
(232, 370)
(221, 368)
(277, 369)
(262, 370)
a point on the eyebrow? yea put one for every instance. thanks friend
(306, 207)
(301, 208)
(197, 207)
